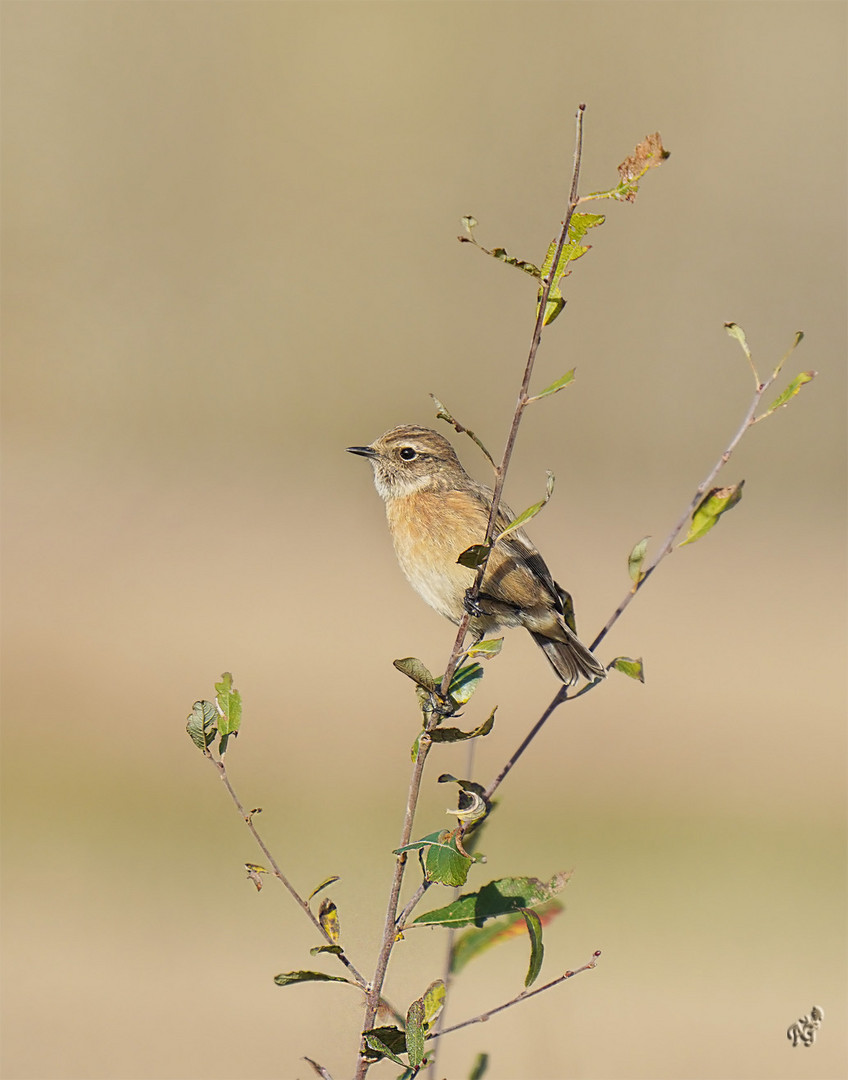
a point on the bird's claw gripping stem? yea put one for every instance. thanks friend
(472, 605)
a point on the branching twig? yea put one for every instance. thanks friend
(668, 546)
(680, 524)
(523, 996)
(278, 873)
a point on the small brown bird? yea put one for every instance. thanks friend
(435, 512)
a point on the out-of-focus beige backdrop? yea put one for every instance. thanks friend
(229, 253)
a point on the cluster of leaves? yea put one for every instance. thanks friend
(219, 719)
(648, 155)
(390, 1041)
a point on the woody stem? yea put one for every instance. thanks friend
(521, 404)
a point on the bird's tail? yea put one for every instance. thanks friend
(570, 659)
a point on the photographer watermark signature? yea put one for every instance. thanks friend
(804, 1031)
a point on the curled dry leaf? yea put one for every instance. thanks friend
(648, 154)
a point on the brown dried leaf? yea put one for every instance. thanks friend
(648, 155)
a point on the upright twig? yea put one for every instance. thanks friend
(521, 403)
(374, 991)
(680, 524)
(390, 927)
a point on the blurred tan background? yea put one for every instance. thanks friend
(229, 252)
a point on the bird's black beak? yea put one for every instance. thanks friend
(363, 451)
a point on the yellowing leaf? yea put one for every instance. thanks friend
(531, 511)
(434, 1000)
(634, 669)
(560, 384)
(571, 251)
(328, 916)
(324, 884)
(716, 502)
(791, 390)
(636, 558)
(487, 648)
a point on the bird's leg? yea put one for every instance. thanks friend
(472, 605)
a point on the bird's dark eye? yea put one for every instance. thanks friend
(407, 453)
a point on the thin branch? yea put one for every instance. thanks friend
(523, 996)
(523, 399)
(680, 524)
(278, 873)
(560, 696)
(666, 549)
(447, 971)
(412, 903)
(373, 996)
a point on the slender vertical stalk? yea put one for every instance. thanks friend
(523, 399)
(372, 997)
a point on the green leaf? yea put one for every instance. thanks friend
(479, 1068)
(471, 943)
(634, 669)
(415, 1032)
(229, 703)
(531, 511)
(501, 897)
(289, 978)
(791, 390)
(443, 861)
(464, 682)
(716, 502)
(336, 950)
(444, 864)
(434, 1001)
(383, 1042)
(469, 223)
(474, 556)
(636, 558)
(571, 251)
(738, 334)
(537, 949)
(560, 384)
(324, 884)
(580, 224)
(487, 648)
(328, 916)
(443, 734)
(202, 724)
(414, 669)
